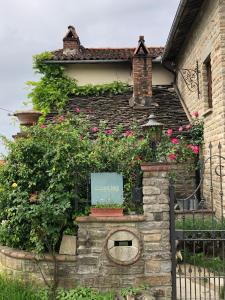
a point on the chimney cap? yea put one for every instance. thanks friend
(71, 33)
(71, 27)
(141, 48)
(141, 38)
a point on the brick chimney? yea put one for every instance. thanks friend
(142, 76)
(71, 40)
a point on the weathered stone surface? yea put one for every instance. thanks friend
(166, 266)
(93, 267)
(152, 237)
(151, 190)
(68, 245)
(152, 266)
(161, 279)
(156, 207)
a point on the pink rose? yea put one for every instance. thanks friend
(95, 129)
(172, 156)
(109, 131)
(43, 126)
(195, 114)
(180, 129)
(61, 118)
(77, 110)
(195, 149)
(169, 132)
(188, 126)
(128, 133)
(175, 141)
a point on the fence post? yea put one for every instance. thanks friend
(173, 238)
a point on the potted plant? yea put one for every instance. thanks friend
(28, 117)
(107, 210)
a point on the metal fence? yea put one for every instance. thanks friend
(198, 235)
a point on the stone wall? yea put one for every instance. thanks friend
(29, 267)
(151, 264)
(207, 37)
(113, 252)
(185, 179)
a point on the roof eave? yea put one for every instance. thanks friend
(185, 16)
(94, 61)
(86, 61)
(173, 29)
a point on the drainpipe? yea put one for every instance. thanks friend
(182, 101)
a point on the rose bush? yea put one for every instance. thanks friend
(46, 177)
(185, 144)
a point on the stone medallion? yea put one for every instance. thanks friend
(123, 246)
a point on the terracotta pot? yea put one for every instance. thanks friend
(106, 212)
(28, 117)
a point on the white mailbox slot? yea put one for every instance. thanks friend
(123, 246)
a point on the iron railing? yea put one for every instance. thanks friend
(198, 236)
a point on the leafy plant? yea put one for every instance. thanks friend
(109, 205)
(183, 146)
(212, 264)
(54, 162)
(17, 290)
(133, 291)
(70, 231)
(82, 293)
(54, 89)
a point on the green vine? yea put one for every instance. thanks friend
(54, 89)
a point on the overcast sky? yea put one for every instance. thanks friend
(28, 27)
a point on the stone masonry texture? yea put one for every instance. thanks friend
(206, 38)
(92, 266)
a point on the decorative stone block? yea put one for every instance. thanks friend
(68, 245)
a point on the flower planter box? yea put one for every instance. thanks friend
(106, 212)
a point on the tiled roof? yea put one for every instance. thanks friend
(101, 53)
(116, 110)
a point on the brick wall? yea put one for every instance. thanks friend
(70, 44)
(142, 75)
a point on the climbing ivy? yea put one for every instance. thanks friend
(54, 89)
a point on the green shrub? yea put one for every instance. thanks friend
(45, 181)
(17, 290)
(49, 170)
(213, 264)
(54, 89)
(81, 293)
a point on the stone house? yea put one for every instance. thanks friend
(195, 54)
(140, 67)
(151, 89)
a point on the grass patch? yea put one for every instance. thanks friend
(12, 289)
(200, 223)
(17, 290)
(212, 264)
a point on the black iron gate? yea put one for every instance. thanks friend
(198, 235)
